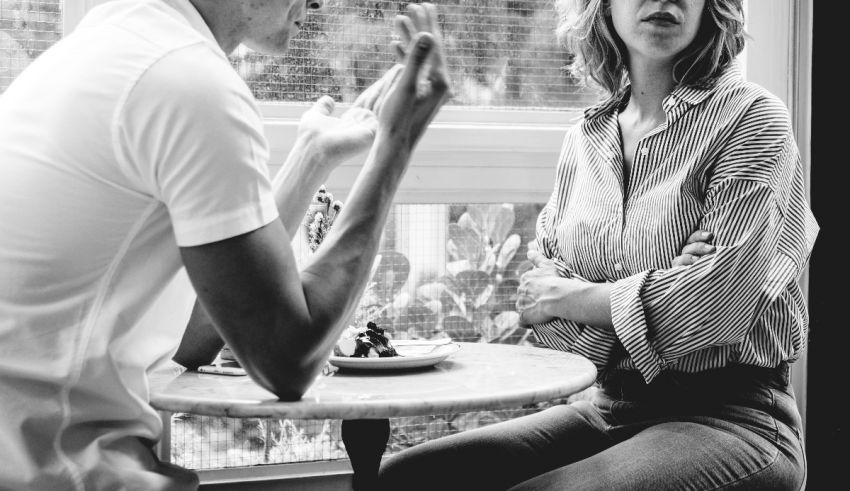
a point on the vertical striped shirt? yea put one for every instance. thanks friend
(724, 161)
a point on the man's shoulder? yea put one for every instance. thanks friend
(153, 25)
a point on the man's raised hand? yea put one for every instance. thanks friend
(423, 85)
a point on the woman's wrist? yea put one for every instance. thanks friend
(584, 302)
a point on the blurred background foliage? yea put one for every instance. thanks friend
(500, 53)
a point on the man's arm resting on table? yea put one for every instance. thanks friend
(201, 342)
(305, 169)
(282, 323)
(323, 142)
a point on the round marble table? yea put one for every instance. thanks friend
(477, 377)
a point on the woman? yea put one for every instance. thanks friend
(693, 358)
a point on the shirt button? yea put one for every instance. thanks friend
(644, 152)
(618, 266)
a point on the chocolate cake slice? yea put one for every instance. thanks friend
(365, 342)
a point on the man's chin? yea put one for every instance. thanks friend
(267, 47)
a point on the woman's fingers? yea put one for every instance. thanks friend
(698, 249)
(700, 236)
(684, 260)
(538, 259)
(692, 252)
(696, 246)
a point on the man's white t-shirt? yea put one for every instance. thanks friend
(130, 137)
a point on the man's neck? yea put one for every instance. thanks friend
(224, 20)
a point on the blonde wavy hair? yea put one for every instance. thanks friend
(587, 31)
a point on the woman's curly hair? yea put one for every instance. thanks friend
(587, 31)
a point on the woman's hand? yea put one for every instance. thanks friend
(540, 289)
(697, 246)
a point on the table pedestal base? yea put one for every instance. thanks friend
(365, 441)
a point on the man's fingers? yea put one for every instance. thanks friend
(417, 15)
(372, 94)
(404, 27)
(430, 12)
(398, 48)
(368, 97)
(419, 53)
(389, 81)
(325, 105)
(359, 115)
(372, 97)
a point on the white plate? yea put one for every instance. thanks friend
(409, 357)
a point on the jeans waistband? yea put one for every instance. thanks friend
(630, 384)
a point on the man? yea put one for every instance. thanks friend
(131, 149)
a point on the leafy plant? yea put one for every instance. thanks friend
(478, 295)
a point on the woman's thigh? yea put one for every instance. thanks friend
(700, 455)
(500, 455)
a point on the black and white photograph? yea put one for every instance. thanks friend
(473, 245)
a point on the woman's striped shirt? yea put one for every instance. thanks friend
(724, 161)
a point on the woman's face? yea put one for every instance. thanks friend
(656, 30)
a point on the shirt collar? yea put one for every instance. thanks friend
(684, 93)
(193, 17)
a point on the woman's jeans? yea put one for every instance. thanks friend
(730, 428)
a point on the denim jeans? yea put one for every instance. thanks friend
(730, 428)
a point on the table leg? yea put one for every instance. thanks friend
(365, 441)
(163, 447)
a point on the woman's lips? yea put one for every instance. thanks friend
(661, 18)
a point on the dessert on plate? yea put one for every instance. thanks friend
(364, 342)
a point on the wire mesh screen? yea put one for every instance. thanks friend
(205, 442)
(442, 270)
(27, 29)
(500, 54)
(452, 270)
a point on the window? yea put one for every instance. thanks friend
(499, 54)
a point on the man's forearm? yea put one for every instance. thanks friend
(296, 183)
(294, 186)
(338, 272)
(201, 342)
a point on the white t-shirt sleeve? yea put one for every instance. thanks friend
(191, 134)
